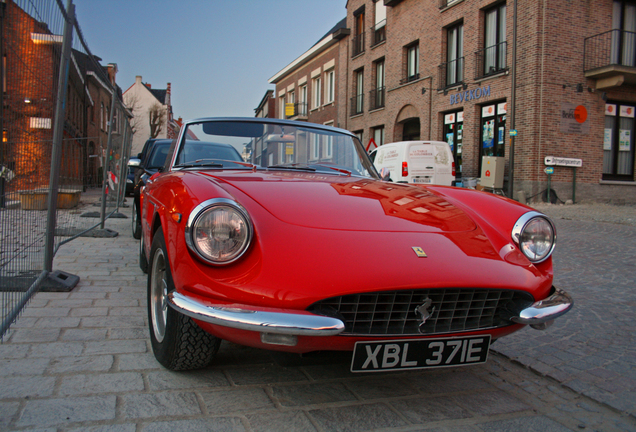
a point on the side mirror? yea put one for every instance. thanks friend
(385, 174)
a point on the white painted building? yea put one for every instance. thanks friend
(140, 98)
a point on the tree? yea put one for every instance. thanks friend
(157, 118)
(133, 105)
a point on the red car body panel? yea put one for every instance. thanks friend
(318, 236)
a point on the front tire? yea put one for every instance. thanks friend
(136, 221)
(177, 341)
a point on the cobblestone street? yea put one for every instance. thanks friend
(81, 361)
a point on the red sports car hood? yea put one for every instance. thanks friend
(347, 203)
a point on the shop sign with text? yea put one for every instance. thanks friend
(469, 95)
(574, 118)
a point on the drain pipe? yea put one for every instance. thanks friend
(513, 98)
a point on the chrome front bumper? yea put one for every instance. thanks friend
(286, 323)
(540, 315)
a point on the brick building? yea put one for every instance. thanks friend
(442, 70)
(307, 88)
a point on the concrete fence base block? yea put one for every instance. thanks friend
(59, 281)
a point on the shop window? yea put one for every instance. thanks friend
(618, 142)
(454, 136)
(493, 127)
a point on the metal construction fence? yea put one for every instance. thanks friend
(65, 146)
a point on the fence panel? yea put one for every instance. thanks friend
(93, 146)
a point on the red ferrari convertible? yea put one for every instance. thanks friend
(305, 248)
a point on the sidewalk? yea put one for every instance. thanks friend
(592, 349)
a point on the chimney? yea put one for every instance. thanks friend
(168, 94)
(112, 72)
(138, 79)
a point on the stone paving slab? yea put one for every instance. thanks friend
(592, 349)
(100, 374)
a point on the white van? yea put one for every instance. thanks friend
(421, 162)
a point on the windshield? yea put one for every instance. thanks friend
(278, 146)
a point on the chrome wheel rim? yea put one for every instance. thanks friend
(159, 295)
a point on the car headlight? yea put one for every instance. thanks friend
(535, 234)
(219, 231)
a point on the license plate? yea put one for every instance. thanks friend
(421, 180)
(403, 354)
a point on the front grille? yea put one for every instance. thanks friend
(451, 310)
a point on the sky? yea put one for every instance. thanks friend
(218, 55)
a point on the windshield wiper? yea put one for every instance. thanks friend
(214, 163)
(341, 170)
(198, 164)
(295, 166)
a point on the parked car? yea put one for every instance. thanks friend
(153, 158)
(133, 163)
(422, 162)
(306, 249)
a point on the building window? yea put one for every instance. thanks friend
(302, 103)
(377, 94)
(358, 37)
(379, 30)
(412, 62)
(360, 135)
(328, 144)
(493, 127)
(314, 147)
(281, 109)
(378, 136)
(455, 55)
(101, 116)
(357, 102)
(624, 33)
(331, 87)
(454, 136)
(316, 92)
(290, 109)
(285, 153)
(494, 54)
(618, 142)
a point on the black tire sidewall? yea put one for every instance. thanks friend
(165, 350)
(143, 261)
(136, 225)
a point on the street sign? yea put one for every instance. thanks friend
(559, 161)
(513, 132)
(549, 170)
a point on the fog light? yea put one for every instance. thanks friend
(279, 339)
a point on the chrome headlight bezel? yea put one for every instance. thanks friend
(520, 227)
(208, 206)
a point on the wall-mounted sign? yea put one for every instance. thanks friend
(574, 119)
(560, 161)
(469, 95)
(289, 109)
(627, 111)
